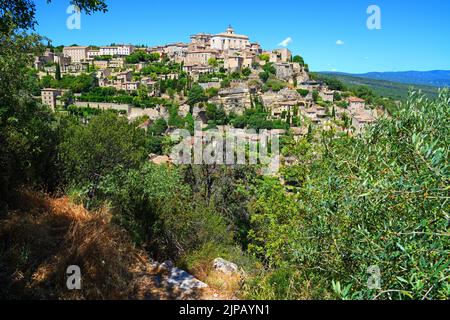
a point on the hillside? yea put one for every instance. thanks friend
(44, 235)
(394, 90)
(436, 78)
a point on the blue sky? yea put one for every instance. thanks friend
(415, 35)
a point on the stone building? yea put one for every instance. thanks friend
(92, 53)
(119, 50)
(49, 97)
(282, 55)
(199, 57)
(255, 48)
(176, 51)
(327, 95)
(76, 53)
(233, 63)
(235, 99)
(284, 71)
(356, 104)
(201, 40)
(101, 64)
(229, 40)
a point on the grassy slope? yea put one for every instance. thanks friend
(389, 89)
(40, 239)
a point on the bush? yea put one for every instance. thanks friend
(374, 200)
(160, 211)
(95, 150)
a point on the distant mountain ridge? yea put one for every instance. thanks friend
(391, 89)
(435, 78)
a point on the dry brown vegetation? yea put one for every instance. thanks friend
(43, 236)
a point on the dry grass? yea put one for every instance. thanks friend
(44, 236)
(221, 286)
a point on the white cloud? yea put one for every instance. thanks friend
(340, 43)
(285, 42)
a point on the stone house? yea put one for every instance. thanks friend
(327, 95)
(282, 55)
(49, 97)
(356, 104)
(285, 71)
(229, 41)
(199, 57)
(233, 63)
(76, 53)
(101, 64)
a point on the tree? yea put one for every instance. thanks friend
(264, 76)
(303, 92)
(216, 114)
(264, 57)
(58, 72)
(270, 69)
(158, 128)
(196, 95)
(67, 98)
(298, 59)
(378, 196)
(155, 205)
(108, 141)
(27, 131)
(337, 96)
(212, 92)
(246, 72)
(316, 96)
(213, 62)
(21, 13)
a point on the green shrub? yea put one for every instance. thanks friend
(378, 199)
(160, 211)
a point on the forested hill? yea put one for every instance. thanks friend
(435, 78)
(391, 89)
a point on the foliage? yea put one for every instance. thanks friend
(196, 95)
(157, 208)
(264, 76)
(77, 84)
(387, 89)
(303, 92)
(264, 57)
(21, 13)
(216, 114)
(27, 129)
(274, 84)
(378, 199)
(298, 59)
(95, 150)
(141, 56)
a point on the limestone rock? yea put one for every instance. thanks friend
(225, 266)
(181, 280)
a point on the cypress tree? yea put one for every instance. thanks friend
(58, 72)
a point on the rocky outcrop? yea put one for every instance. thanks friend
(225, 266)
(164, 281)
(235, 99)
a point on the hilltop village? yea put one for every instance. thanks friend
(221, 79)
(218, 168)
